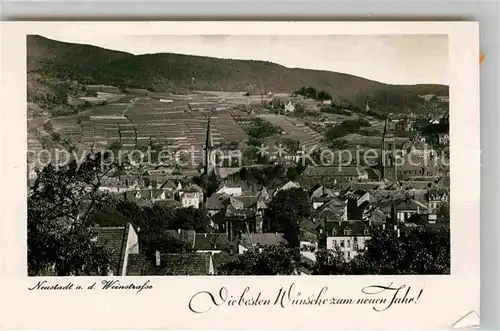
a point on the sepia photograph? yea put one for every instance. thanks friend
(195, 155)
(237, 174)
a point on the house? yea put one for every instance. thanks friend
(120, 242)
(213, 243)
(348, 237)
(444, 139)
(435, 199)
(334, 209)
(427, 97)
(191, 196)
(215, 203)
(312, 230)
(287, 186)
(169, 185)
(161, 195)
(358, 204)
(289, 107)
(190, 199)
(406, 209)
(320, 195)
(326, 102)
(331, 175)
(259, 240)
(308, 251)
(235, 214)
(169, 203)
(404, 124)
(230, 191)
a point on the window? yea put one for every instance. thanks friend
(348, 244)
(348, 254)
(367, 232)
(347, 232)
(335, 243)
(342, 243)
(334, 232)
(355, 240)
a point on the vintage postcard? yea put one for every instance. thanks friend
(240, 175)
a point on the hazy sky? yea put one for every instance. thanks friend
(394, 59)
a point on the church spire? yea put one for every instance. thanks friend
(209, 155)
(210, 142)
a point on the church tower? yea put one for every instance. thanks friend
(209, 155)
(388, 153)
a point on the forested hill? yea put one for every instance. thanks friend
(173, 72)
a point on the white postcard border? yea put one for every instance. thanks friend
(444, 300)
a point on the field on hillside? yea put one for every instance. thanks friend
(176, 121)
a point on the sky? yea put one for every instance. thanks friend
(392, 59)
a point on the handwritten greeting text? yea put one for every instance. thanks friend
(380, 297)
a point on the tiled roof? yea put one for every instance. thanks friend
(420, 184)
(321, 192)
(188, 236)
(357, 228)
(348, 171)
(244, 213)
(334, 203)
(289, 185)
(168, 184)
(215, 202)
(114, 239)
(248, 201)
(139, 265)
(185, 264)
(311, 225)
(331, 213)
(169, 203)
(263, 239)
(411, 205)
(211, 241)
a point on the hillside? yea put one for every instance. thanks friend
(50, 61)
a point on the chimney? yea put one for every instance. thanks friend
(393, 213)
(158, 258)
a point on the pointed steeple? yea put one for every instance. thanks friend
(209, 156)
(210, 142)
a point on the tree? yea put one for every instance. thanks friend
(285, 212)
(311, 92)
(60, 203)
(330, 262)
(322, 95)
(209, 183)
(292, 173)
(419, 251)
(271, 260)
(443, 212)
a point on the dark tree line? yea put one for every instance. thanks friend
(311, 93)
(65, 205)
